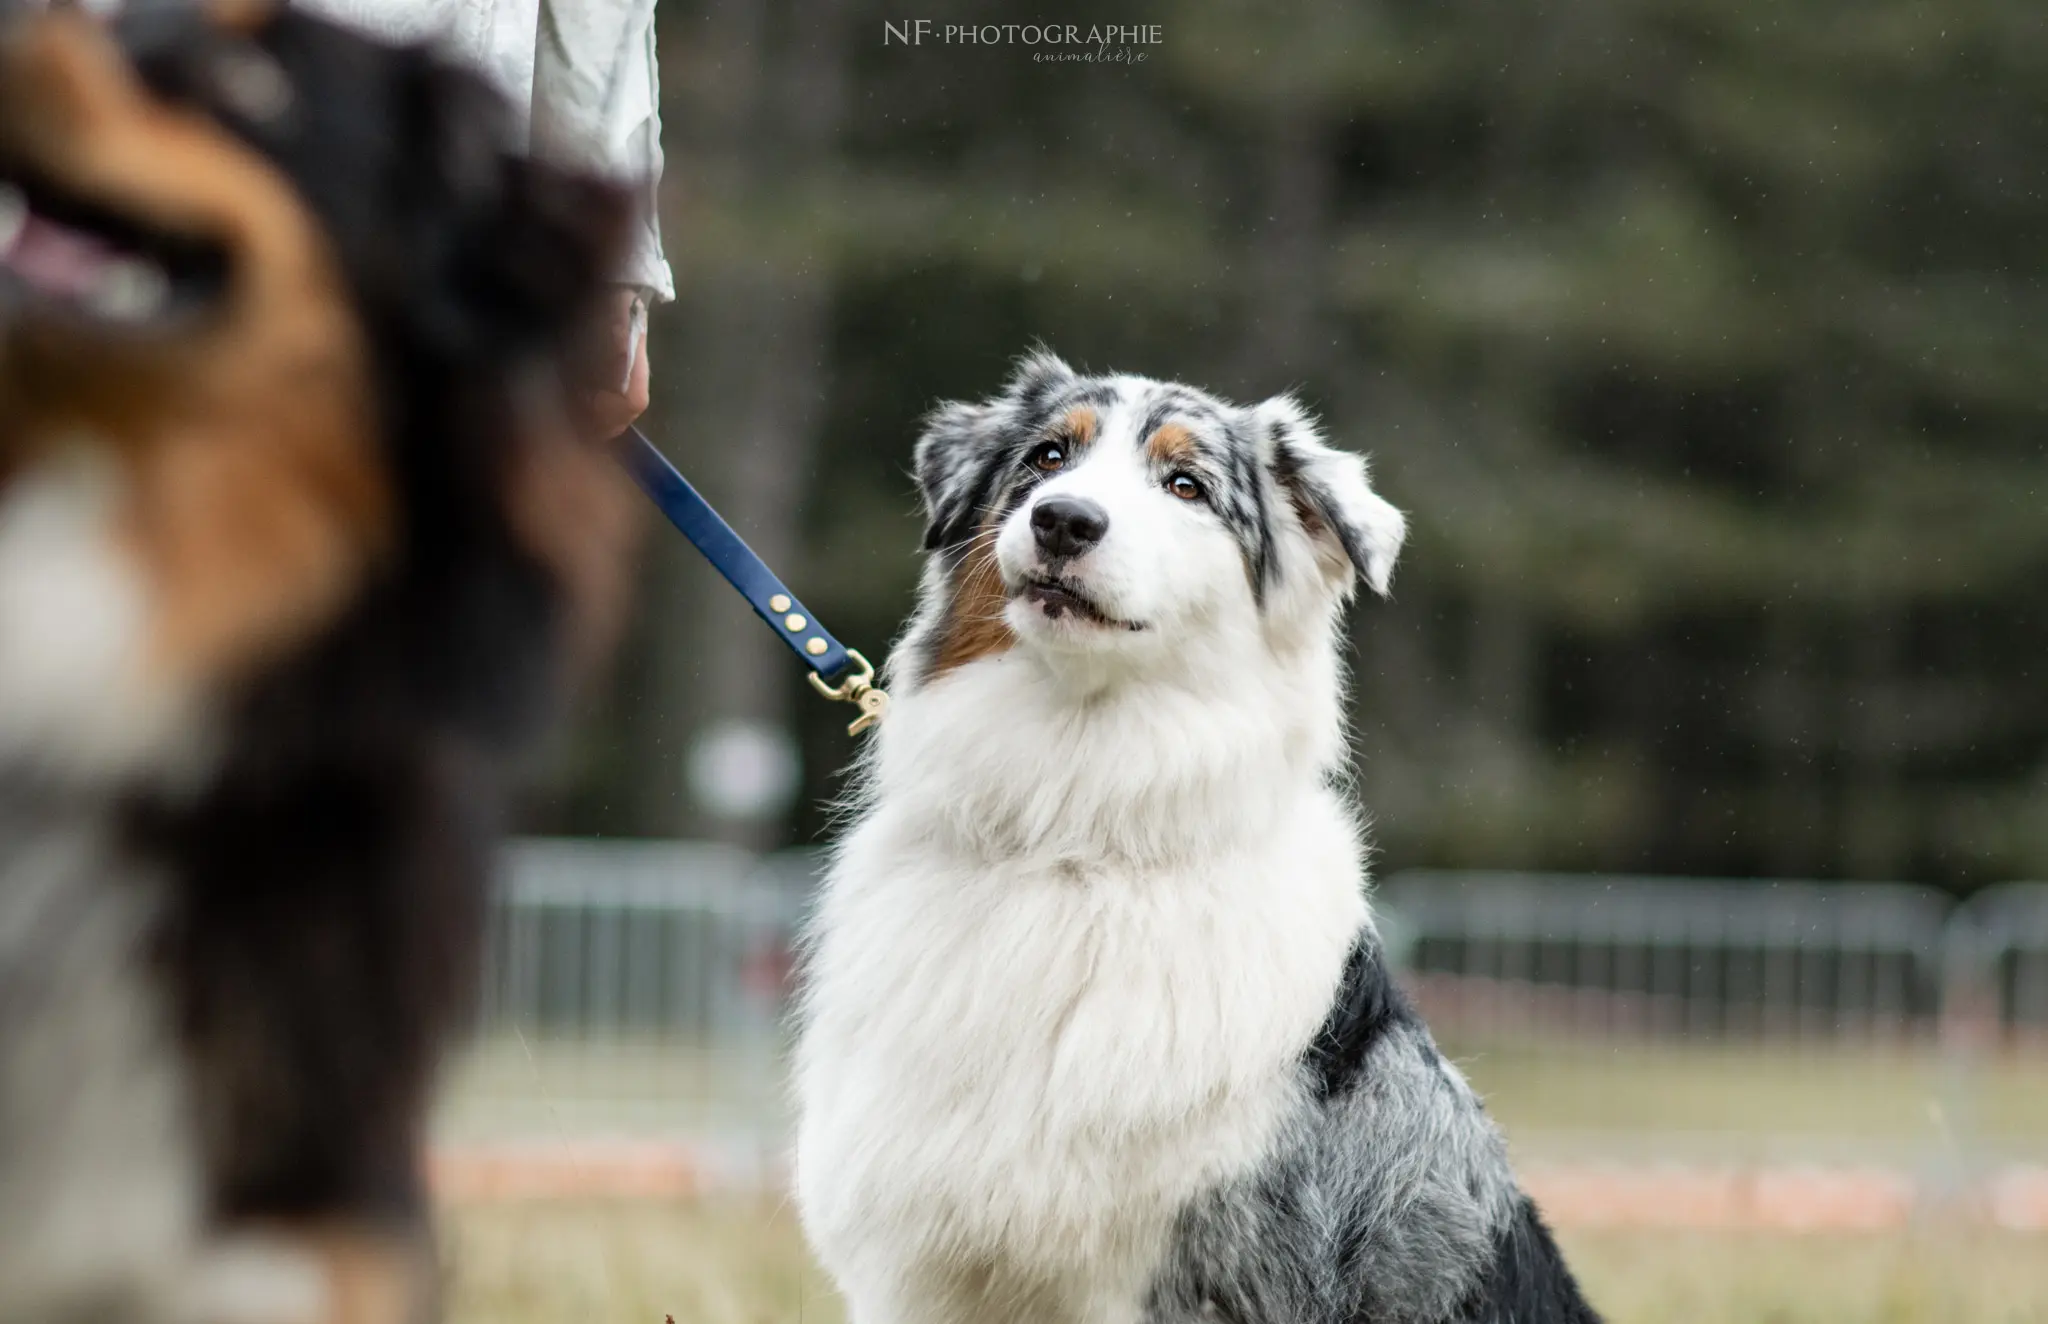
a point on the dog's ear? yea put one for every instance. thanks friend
(957, 460)
(1354, 528)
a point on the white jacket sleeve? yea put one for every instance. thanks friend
(596, 101)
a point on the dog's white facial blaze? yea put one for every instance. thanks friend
(1164, 567)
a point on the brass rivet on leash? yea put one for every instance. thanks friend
(816, 647)
(794, 622)
(780, 602)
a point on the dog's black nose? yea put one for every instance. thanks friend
(1068, 526)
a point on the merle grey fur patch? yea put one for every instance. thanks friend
(1388, 1198)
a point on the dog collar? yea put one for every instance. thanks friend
(836, 671)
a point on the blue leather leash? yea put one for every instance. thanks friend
(836, 671)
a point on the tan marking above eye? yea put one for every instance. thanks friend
(1078, 425)
(1171, 444)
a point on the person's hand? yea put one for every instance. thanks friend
(616, 394)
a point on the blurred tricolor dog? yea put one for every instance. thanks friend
(294, 538)
(1097, 1026)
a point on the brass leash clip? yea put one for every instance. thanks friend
(858, 689)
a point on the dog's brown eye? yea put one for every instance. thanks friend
(1049, 458)
(1184, 487)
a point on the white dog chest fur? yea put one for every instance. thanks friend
(1060, 1053)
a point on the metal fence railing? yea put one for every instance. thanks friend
(643, 987)
(1659, 956)
(1997, 954)
(632, 940)
(633, 987)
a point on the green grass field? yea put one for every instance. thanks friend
(1778, 1104)
(744, 1263)
(1633, 1100)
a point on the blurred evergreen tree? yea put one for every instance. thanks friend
(1703, 339)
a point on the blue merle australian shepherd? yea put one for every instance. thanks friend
(1097, 1028)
